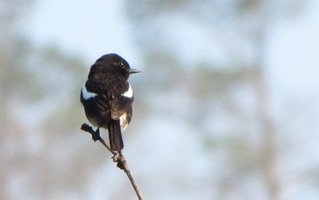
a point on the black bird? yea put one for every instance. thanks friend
(107, 97)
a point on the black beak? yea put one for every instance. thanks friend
(133, 71)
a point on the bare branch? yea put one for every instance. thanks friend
(117, 157)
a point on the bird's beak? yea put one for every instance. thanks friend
(133, 71)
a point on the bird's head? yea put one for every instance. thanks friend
(115, 64)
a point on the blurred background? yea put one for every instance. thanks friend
(226, 106)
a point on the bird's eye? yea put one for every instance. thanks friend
(122, 65)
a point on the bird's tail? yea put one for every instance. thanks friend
(115, 135)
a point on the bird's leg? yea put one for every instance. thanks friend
(117, 155)
(95, 134)
(119, 159)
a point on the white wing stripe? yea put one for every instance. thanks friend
(129, 92)
(86, 94)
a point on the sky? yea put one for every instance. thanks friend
(293, 49)
(82, 27)
(76, 27)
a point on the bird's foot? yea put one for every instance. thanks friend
(119, 159)
(117, 156)
(95, 134)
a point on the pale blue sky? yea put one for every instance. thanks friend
(87, 28)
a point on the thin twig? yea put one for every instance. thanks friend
(117, 157)
(126, 169)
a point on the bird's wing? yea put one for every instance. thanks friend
(103, 105)
(97, 107)
(121, 105)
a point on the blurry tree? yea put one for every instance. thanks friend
(39, 152)
(8, 18)
(215, 51)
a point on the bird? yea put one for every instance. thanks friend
(107, 97)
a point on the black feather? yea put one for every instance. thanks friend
(105, 105)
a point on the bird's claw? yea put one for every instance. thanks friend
(118, 158)
(96, 135)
